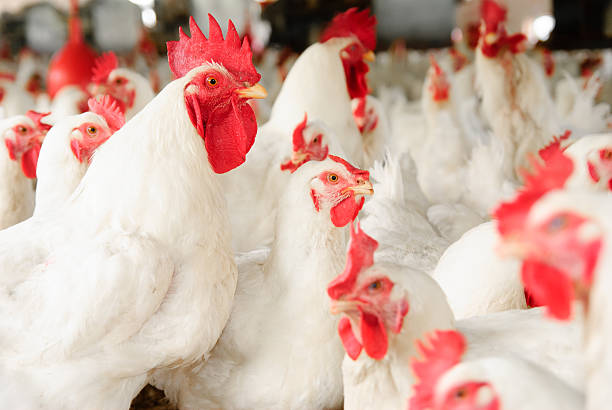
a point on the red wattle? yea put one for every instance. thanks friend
(349, 341)
(548, 286)
(29, 159)
(229, 137)
(346, 211)
(373, 335)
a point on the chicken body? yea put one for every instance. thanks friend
(59, 171)
(160, 275)
(527, 334)
(279, 349)
(16, 190)
(252, 190)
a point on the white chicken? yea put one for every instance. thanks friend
(279, 349)
(476, 279)
(22, 136)
(448, 382)
(160, 275)
(515, 100)
(14, 100)
(347, 41)
(67, 151)
(564, 240)
(131, 90)
(387, 308)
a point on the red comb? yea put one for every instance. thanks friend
(37, 117)
(545, 178)
(107, 108)
(439, 86)
(353, 23)
(298, 134)
(103, 66)
(555, 145)
(188, 53)
(549, 62)
(353, 170)
(435, 65)
(492, 14)
(447, 347)
(459, 59)
(360, 256)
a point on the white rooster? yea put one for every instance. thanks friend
(136, 272)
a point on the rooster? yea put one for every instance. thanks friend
(345, 43)
(131, 90)
(22, 136)
(386, 308)
(449, 382)
(265, 358)
(68, 149)
(149, 227)
(515, 100)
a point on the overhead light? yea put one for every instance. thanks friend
(543, 26)
(149, 18)
(143, 3)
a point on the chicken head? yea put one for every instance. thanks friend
(493, 36)
(367, 299)
(89, 135)
(340, 190)
(361, 28)
(23, 136)
(308, 144)
(221, 79)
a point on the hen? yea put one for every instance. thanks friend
(68, 149)
(266, 356)
(447, 381)
(475, 278)
(345, 43)
(563, 238)
(22, 136)
(387, 308)
(131, 90)
(136, 272)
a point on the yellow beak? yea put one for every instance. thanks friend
(364, 188)
(257, 91)
(369, 56)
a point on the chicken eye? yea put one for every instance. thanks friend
(21, 129)
(333, 178)
(557, 223)
(315, 140)
(91, 130)
(376, 285)
(212, 81)
(606, 154)
(461, 394)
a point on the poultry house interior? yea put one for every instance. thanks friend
(306, 204)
